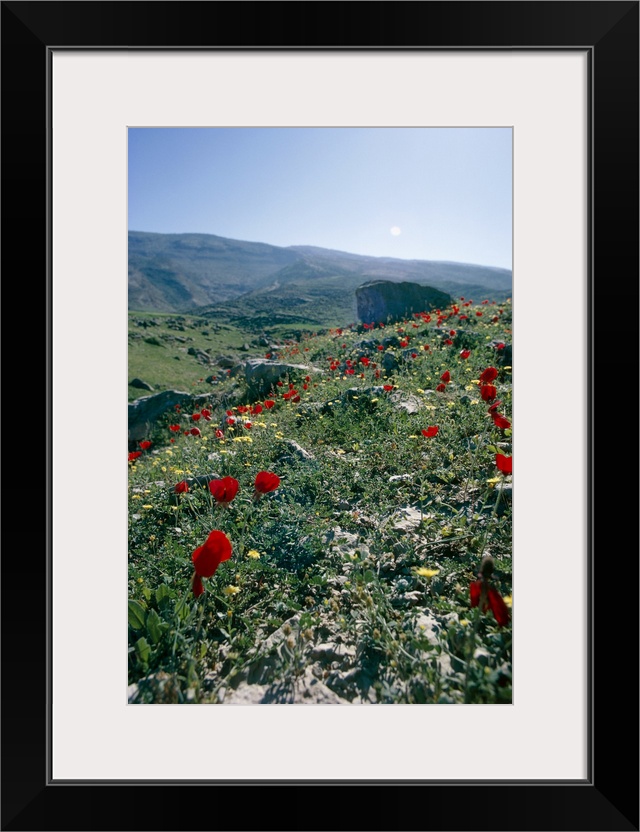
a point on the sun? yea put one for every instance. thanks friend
(395, 230)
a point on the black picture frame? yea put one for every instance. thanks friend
(608, 798)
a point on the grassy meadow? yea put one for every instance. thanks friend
(371, 563)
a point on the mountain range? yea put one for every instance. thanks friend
(258, 283)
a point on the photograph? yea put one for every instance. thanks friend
(285, 252)
(320, 427)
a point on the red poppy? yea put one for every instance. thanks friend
(446, 377)
(224, 490)
(174, 428)
(248, 425)
(267, 355)
(269, 403)
(231, 420)
(265, 482)
(504, 463)
(432, 430)
(494, 407)
(242, 408)
(146, 444)
(219, 434)
(208, 557)
(500, 346)
(441, 388)
(387, 387)
(206, 414)
(465, 354)
(479, 314)
(488, 392)
(257, 408)
(492, 600)
(490, 374)
(448, 342)
(181, 487)
(134, 455)
(482, 594)
(195, 416)
(452, 332)
(501, 422)
(195, 432)
(364, 360)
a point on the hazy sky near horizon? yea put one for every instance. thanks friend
(427, 193)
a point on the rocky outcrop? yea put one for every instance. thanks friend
(145, 411)
(380, 301)
(262, 374)
(140, 384)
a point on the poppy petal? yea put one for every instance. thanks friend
(498, 607)
(198, 588)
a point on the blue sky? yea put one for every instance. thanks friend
(413, 193)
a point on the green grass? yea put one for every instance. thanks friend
(158, 356)
(336, 594)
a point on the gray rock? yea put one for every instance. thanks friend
(408, 519)
(431, 627)
(409, 403)
(306, 690)
(332, 652)
(389, 362)
(391, 341)
(143, 412)
(381, 300)
(298, 450)
(140, 385)
(408, 599)
(225, 361)
(262, 374)
(338, 535)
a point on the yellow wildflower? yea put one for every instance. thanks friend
(253, 553)
(426, 573)
(231, 590)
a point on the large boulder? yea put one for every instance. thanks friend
(145, 411)
(379, 301)
(262, 374)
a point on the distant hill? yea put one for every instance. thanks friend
(249, 281)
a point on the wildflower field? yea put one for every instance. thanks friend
(345, 536)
